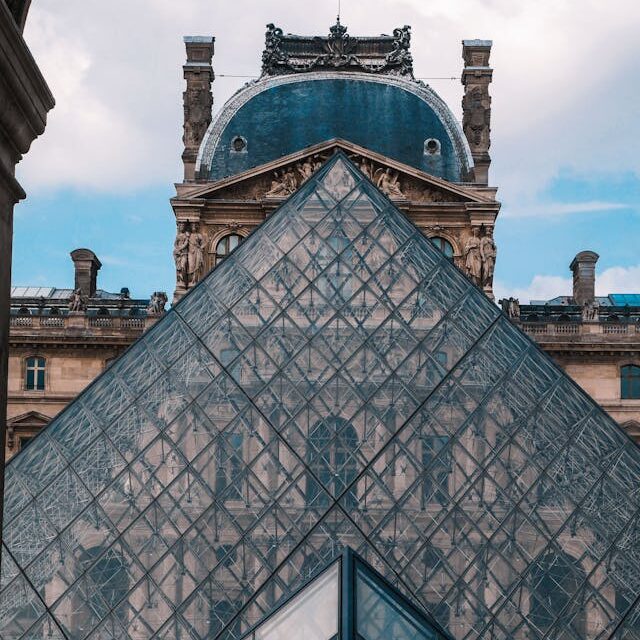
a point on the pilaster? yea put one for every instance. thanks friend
(476, 104)
(197, 99)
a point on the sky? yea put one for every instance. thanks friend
(565, 126)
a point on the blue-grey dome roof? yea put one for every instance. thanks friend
(390, 115)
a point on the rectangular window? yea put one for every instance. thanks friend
(437, 467)
(229, 466)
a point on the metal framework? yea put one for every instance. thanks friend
(335, 382)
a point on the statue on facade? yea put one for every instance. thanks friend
(305, 169)
(181, 254)
(195, 254)
(290, 181)
(389, 183)
(278, 186)
(473, 258)
(488, 252)
(511, 306)
(77, 301)
(590, 311)
(400, 54)
(156, 303)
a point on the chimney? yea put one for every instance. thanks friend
(86, 266)
(476, 104)
(583, 267)
(197, 98)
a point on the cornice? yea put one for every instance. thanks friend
(27, 88)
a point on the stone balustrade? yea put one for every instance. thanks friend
(81, 321)
(566, 329)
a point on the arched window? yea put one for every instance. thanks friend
(331, 457)
(225, 246)
(34, 373)
(630, 382)
(555, 579)
(444, 245)
(436, 460)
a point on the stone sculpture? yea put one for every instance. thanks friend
(389, 183)
(156, 303)
(473, 258)
(488, 252)
(195, 254)
(181, 253)
(77, 301)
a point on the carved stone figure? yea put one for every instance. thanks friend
(389, 183)
(473, 258)
(195, 256)
(156, 303)
(488, 252)
(278, 186)
(273, 54)
(305, 169)
(511, 306)
(590, 311)
(197, 115)
(181, 254)
(290, 181)
(77, 301)
(400, 54)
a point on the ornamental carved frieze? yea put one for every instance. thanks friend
(282, 182)
(284, 54)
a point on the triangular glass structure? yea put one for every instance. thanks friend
(334, 382)
(348, 600)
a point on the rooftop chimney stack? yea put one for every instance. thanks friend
(86, 266)
(476, 104)
(197, 99)
(583, 267)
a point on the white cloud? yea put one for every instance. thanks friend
(555, 209)
(545, 287)
(562, 93)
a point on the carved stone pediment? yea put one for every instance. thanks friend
(277, 180)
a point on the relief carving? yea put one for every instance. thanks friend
(388, 182)
(197, 115)
(476, 118)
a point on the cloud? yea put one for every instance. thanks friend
(546, 287)
(540, 288)
(562, 97)
(554, 209)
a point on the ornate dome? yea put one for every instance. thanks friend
(392, 115)
(315, 89)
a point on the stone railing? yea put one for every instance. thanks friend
(580, 328)
(81, 321)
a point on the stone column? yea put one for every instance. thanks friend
(197, 98)
(25, 100)
(476, 104)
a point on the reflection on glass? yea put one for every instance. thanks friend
(380, 615)
(311, 615)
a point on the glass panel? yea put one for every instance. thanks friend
(380, 615)
(312, 614)
(335, 382)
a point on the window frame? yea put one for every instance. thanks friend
(36, 369)
(630, 383)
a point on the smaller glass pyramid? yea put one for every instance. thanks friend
(348, 600)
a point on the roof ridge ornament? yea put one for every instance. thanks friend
(287, 54)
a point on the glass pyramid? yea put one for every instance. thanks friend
(334, 382)
(351, 601)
